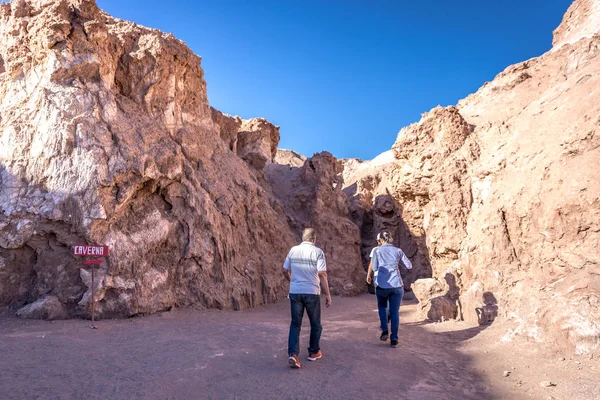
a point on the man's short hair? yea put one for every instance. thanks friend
(308, 234)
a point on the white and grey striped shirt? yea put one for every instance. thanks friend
(305, 261)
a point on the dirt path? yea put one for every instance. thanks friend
(187, 354)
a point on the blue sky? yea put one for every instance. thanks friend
(346, 75)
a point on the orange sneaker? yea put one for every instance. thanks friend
(316, 356)
(294, 361)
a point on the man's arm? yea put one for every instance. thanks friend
(287, 272)
(322, 270)
(325, 286)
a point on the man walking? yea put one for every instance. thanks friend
(306, 270)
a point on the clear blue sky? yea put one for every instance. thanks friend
(346, 75)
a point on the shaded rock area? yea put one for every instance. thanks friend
(312, 195)
(373, 208)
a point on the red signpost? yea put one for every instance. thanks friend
(91, 251)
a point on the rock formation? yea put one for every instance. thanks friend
(254, 140)
(533, 230)
(373, 208)
(289, 158)
(312, 195)
(108, 138)
(504, 190)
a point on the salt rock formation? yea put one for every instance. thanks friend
(533, 229)
(254, 140)
(504, 189)
(108, 138)
(312, 195)
(581, 20)
(289, 158)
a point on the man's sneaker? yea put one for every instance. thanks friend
(384, 336)
(315, 356)
(293, 361)
(394, 343)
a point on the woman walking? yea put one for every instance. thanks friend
(388, 284)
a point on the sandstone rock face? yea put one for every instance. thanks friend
(533, 230)
(289, 157)
(254, 140)
(312, 195)
(107, 137)
(503, 191)
(581, 20)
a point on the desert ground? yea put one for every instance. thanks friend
(188, 354)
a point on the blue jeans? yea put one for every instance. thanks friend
(393, 297)
(312, 303)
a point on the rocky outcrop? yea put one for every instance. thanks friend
(108, 138)
(581, 20)
(374, 208)
(534, 219)
(254, 140)
(499, 195)
(289, 158)
(503, 187)
(312, 195)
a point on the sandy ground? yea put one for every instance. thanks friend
(186, 354)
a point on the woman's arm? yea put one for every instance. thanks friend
(369, 270)
(405, 260)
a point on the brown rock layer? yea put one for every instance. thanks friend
(107, 137)
(254, 140)
(312, 195)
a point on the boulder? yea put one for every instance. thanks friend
(48, 307)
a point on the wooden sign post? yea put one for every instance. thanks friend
(91, 251)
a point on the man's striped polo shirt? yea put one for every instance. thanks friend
(305, 261)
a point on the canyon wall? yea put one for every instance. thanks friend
(503, 195)
(107, 137)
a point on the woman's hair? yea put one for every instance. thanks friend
(385, 237)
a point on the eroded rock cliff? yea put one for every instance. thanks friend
(503, 192)
(311, 195)
(107, 137)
